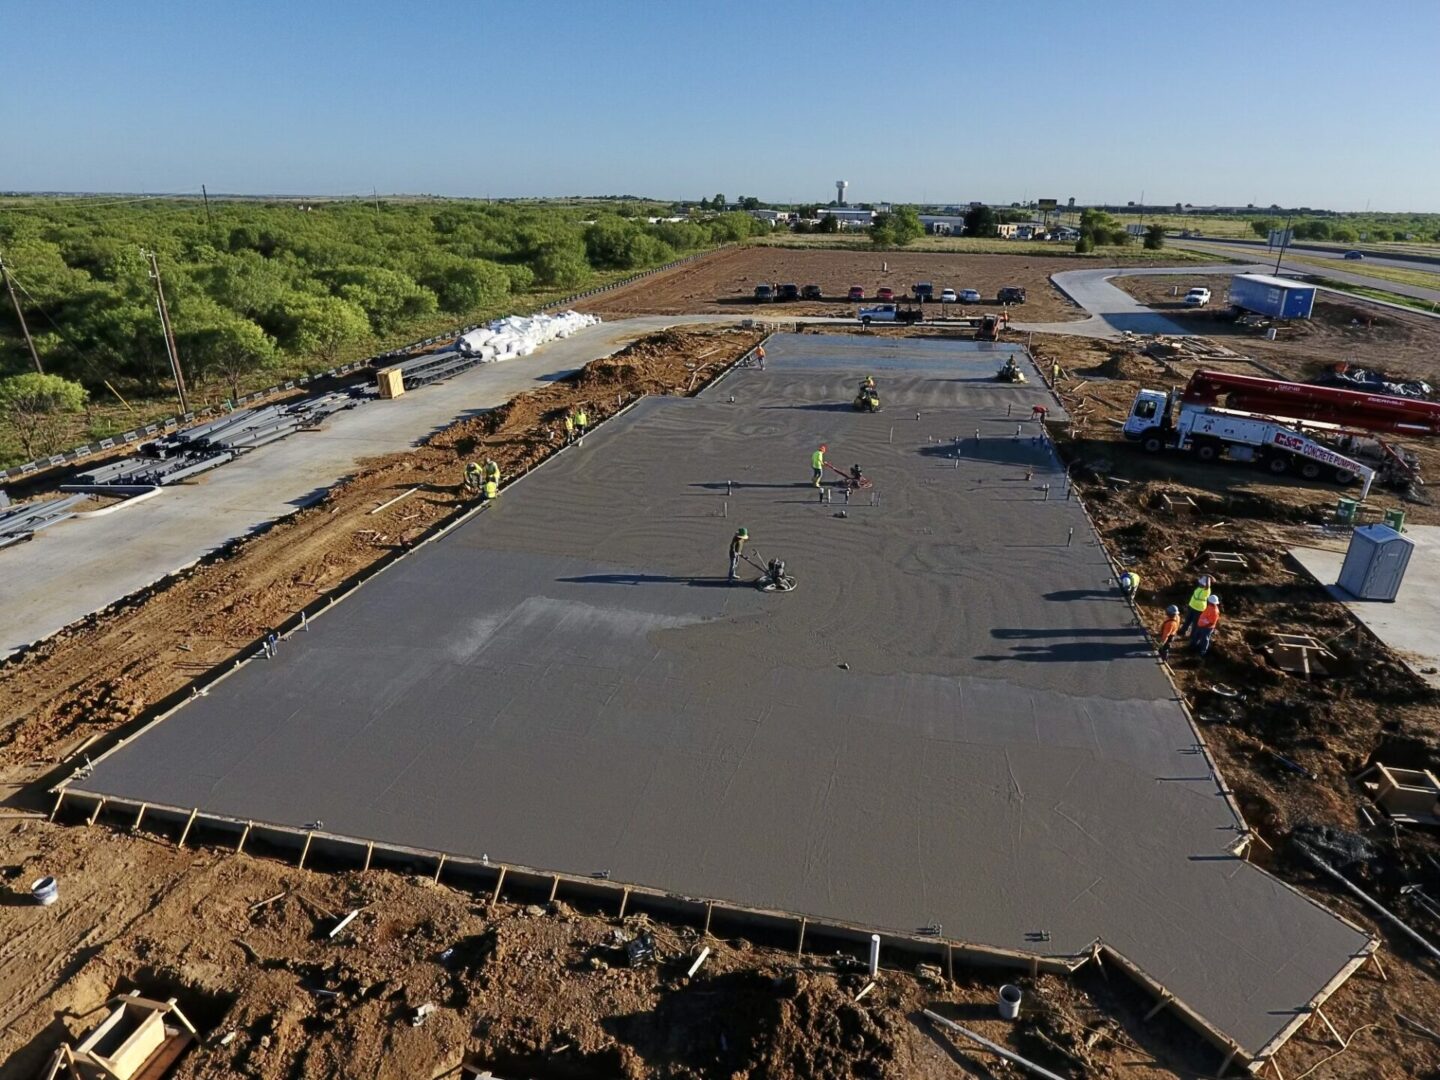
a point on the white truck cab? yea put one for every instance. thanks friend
(1197, 297)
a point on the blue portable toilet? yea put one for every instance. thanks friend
(1375, 564)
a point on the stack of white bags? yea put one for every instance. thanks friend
(520, 335)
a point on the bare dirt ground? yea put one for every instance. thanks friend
(541, 990)
(725, 282)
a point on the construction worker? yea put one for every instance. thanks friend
(1168, 629)
(760, 357)
(569, 428)
(492, 490)
(474, 476)
(737, 549)
(492, 470)
(582, 420)
(1055, 373)
(817, 464)
(1205, 625)
(1195, 606)
(869, 383)
(1130, 584)
(1038, 412)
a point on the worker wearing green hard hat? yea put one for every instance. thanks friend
(737, 549)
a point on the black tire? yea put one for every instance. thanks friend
(865, 320)
(1207, 451)
(1310, 470)
(1344, 477)
(1152, 443)
(1277, 464)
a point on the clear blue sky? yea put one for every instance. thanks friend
(1313, 102)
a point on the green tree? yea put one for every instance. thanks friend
(896, 228)
(464, 285)
(327, 326)
(980, 221)
(33, 406)
(1085, 245)
(226, 347)
(1262, 226)
(718, 203)
(828, 224)
(1154, 237)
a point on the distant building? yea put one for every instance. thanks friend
(1021, 230)
(849, 219)
(943, 224)
(775, 217)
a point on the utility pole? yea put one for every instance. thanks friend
(1284, 242)
(209, 223)
(170, 349)
(20, 315)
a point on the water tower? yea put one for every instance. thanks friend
(840, 186)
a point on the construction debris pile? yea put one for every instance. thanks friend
(1375, 382)
(182, 454)
(20, 523)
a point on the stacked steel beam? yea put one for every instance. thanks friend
(19, 523)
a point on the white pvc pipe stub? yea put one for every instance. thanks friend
(874, 955)
(1009, 1002)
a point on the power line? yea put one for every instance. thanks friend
(20, 315)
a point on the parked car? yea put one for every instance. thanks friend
(789, 292)
(885, 293)
(947, 296)
(924, 291)
(890, 313)
(764, 293)
(969, 296)
(1011, 294)
(812, 292)
(1197, 297)
(1354, 255)
(857, 292)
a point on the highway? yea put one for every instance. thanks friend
(85, 564)
(1309, 260)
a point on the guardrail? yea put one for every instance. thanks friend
(170, 423)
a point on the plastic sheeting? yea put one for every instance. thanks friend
(520, 335)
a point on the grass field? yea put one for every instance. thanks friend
(1379, 294)
(1421, 279)
(965, 245)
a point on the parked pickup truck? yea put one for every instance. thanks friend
(889, 313)
(812, 292)
(1011, 294)
(1197, 297)
(924, 291)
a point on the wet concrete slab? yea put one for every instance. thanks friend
(1411, 623)
(953, 721)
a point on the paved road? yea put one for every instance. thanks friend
(1335, 266)
(83, 565)
(1112, 310)
(1257, 249)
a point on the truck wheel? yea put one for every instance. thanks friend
(1278, 464)
(1207, 451)
(865, 320)
(1310, 470)
(1152, 444)
(1344, 476)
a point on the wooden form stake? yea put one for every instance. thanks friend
(624, 901)
(950, 963)
(499, 884)
(59, 798)
(1225, 1065)
(244, 835)
(439, 866)
(99, 805)
(306, 849)
(800, 945)
(186, 831)
(1160, 1005)
(709, 910)
(369, 852)
(554, 887)
(1330, 1027)
(139, 817)
(1375, 956)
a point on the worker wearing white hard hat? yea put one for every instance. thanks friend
(1196, 604)
(1206, 625)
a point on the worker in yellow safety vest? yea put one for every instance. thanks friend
(1195, 607)
(474, 476)
(817, 464)
(569, 428)
(492, 490)
(582, 420)
(492, 470)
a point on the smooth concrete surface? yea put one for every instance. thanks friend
(1411, 623)
(1113, 311)
(953, 720)
(83, 565)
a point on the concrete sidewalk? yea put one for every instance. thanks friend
(82, 566)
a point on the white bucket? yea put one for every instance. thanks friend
(46, 891)
(1009, 1002)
